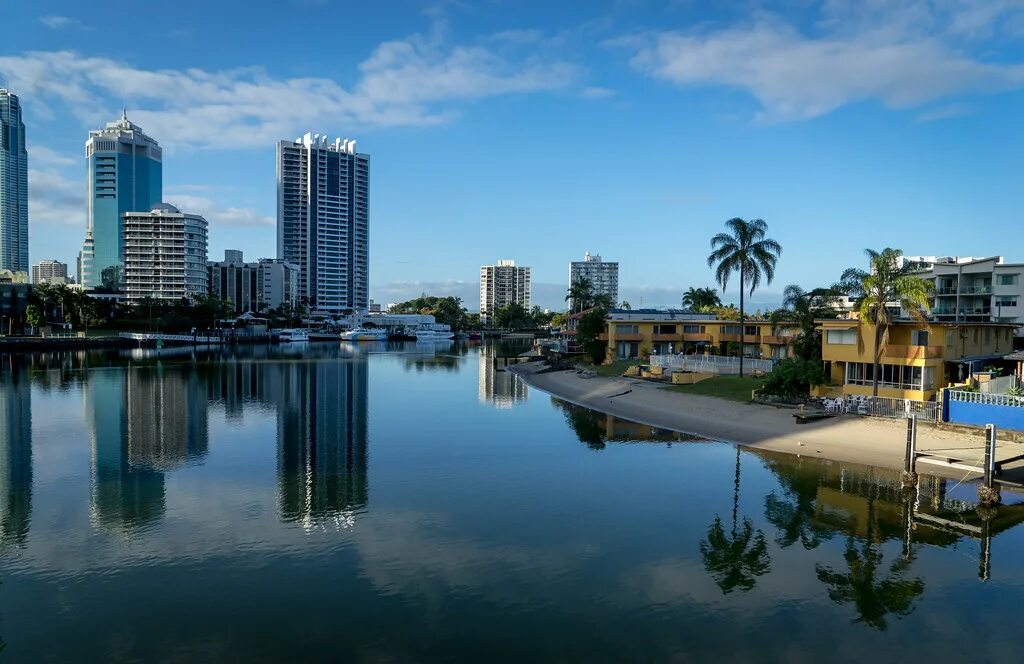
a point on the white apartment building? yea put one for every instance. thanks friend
(50, 271)
(164, 254)
(603, 276)
(501, 285)
(974, 290)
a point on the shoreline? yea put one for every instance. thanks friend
(847, 438)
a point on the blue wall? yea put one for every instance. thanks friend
(980, 414)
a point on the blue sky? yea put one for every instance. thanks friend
(538, 130)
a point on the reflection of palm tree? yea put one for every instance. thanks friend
(735, 560)
(859, 585)
(793, 518)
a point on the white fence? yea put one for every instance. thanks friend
(987, 399)
(716, 364)
(998, 385)
(188, 338)
(893, 408)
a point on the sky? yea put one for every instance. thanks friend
(536, 131)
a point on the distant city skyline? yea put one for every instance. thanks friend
(857, 124)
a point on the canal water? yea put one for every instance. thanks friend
(411, 503)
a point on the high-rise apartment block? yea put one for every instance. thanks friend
(164, 254)
(49, 271)
(13, 184)
(323, 220)
(125, 174)
(502, 285)
(603, 276)
(260, 286)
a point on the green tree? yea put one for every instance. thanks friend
(701, 299)
(794, 377)
(34, 316)
(805, 308)
(590, 327)
(888, 280)
(513, 316)
(745, 249)
(580, 295)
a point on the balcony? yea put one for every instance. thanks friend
(665, 337)
(697, 337)
(977, 290)
(946, 291)
(898, 352)
(747, 338)
(776, 340)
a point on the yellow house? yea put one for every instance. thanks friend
(917, 358)
(638, 333)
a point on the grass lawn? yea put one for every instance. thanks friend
(616, 368)
(725, 387)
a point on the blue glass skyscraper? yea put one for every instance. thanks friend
(13, 185)
(125, 174)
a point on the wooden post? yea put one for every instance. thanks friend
(910, 460)
(988, 493)
(985, 561)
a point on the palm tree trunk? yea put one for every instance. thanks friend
(736, 494)
(877, 363)
(742, 321)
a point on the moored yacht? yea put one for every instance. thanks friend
(365, 334)
(293, 334)
(433, 332)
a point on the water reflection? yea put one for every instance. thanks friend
(15, 456)
(596, 429)
(495, 385)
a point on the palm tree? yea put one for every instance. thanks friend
(887, 281)
(580, 294)
(626, 305)
(701, 299)
(746, 251)
(805, 308)
(735, 560)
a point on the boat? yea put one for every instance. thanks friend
(433, 332)
(293, 334)
(365, 334)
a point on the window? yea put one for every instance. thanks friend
(730, 329)
(841, 337)
(1006, 301)
(919, 337)
(664, 329)
(1008, 279)
(751, 331)
(693, 329)
(891, 375)
(626, 329)
(950, 338)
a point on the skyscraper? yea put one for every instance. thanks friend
(49, 271)
(125, 174)
(603, 277)
(323, 220)
(502, 285)
(13, 184)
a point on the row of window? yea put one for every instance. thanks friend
(891, 375)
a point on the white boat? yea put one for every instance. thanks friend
(433, 332)
(365, 334)
(293, 334)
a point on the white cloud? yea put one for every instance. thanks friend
(55, 200)
(217, 215)
(595, 92)
(944, 112)
(416, 81)
(901, 54)
(57, 22)
(42, 156)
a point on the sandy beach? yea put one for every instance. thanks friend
(851, 438)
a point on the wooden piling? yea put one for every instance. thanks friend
(909, 478)
(988, 493)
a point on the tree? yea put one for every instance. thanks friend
(701, 299)
(887, 281)
(794, 377)
(745, 250)
(580, 295)
(805, 308)
(626, 305)
(34, 316)
(591, 325)
(513, 316)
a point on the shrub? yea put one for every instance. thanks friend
(794, 377)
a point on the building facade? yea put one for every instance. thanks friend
(49, 271)
(603, 276)
(256, 287)
(634, 333)
(164, 254)
(973, 290)
(501, 285)
(124, 174)
(323, 220)
(13, 185)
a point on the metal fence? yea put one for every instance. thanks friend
(1000, 385)
(716, 364)
(985, 399)
(899, 409)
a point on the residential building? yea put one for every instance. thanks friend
(164, 254)
(323, 220)
(501, 285)
(12, 277)
(633, 333)
(918, 359)
(15, 453)
(255, 287)
(976, 290)
(603, 276)
(13, 184)
(124, 174)
(48, 270)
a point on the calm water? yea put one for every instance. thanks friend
(410, 503)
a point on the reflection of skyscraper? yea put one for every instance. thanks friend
(165, 416)
(322, 438)
(15, 456)
(501, 388)
(124, 497)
